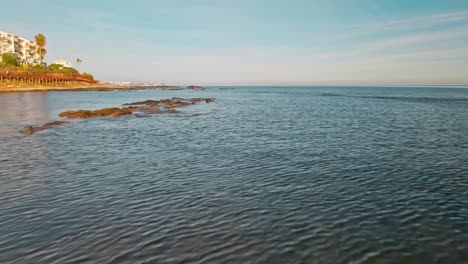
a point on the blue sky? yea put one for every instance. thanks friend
(253, 42)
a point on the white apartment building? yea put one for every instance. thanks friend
(24, 50)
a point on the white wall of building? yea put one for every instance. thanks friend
(64, 63)
(24, 50)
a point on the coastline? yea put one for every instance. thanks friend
(22, 82)
(98, 87)
(90, 87)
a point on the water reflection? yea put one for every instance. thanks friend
(23, 160)
(21, 109)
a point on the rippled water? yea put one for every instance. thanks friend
(264, 175)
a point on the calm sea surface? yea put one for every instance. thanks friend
(263, 175)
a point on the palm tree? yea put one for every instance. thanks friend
(41, 42)
(78, 61)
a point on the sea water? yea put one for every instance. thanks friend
(263, 175)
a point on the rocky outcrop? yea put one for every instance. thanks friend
(146, 107)
(168, 103)
(139, 109)
(32, 129)
(78, 114)
(172, 103)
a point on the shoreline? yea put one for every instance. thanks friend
(62, 89)
(84, 87)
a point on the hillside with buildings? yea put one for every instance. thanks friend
(21, 65)
(24, 50)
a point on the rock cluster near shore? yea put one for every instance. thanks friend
(32, 129)
(172, 103)
(147, 107)
(78, 114)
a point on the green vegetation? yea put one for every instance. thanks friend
(19, 72)
(88, 76)
(35, 69)
(10, 64)
(41, 42)
(59, 69)
(9, 59)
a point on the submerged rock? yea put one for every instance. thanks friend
(148, 111)
(173, 111)
(146, 107)
(172, 103)
(138, 109)
(33, 129)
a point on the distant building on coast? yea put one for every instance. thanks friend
(24, 50)
(64, 63)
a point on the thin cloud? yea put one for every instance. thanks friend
(404, 24)
(427, 21)
(416, 39)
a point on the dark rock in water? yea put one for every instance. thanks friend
(147, 102)
(78, 114)
(140, 115)
(195, 87)
(173, 111)
(171, 103)
(145, 107)
(139, 109)
(29, 130)
(55, 123)
(146, 111)
(32, 129)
